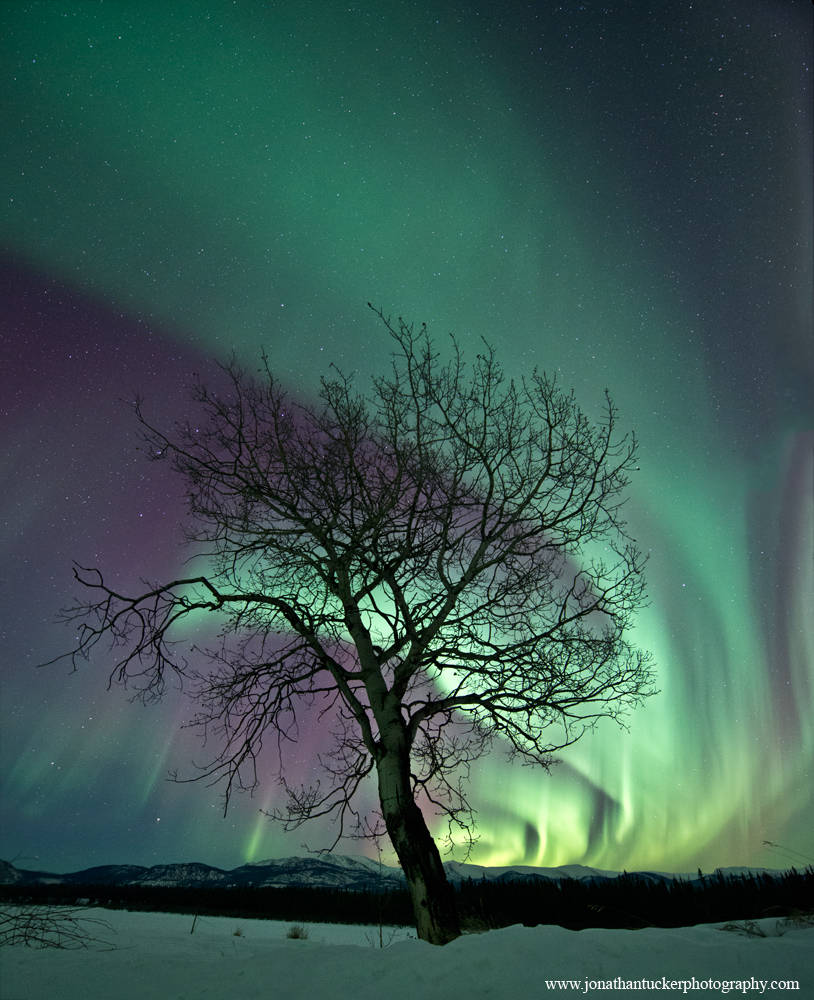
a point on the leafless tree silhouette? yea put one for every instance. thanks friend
(434, 565)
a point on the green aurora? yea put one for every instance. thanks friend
(620, 198)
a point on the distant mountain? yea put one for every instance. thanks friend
(329, 871)
(333, 871)
(457, 872)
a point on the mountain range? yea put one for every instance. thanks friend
(333, 871)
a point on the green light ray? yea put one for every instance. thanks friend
(251, 176)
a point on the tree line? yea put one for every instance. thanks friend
(630, 901)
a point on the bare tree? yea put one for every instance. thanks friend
(64, 927)
(433, 565)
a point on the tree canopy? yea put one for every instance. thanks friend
(432, 564)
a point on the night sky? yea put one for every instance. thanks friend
(616, 192)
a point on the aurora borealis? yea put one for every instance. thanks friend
(618, 194)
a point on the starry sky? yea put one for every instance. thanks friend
(616, 192)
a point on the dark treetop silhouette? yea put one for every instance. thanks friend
(431, 565)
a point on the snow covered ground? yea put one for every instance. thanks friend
(153, 956)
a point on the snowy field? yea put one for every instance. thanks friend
(153, 956)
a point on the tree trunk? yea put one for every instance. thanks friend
(436, 916)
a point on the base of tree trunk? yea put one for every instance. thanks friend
(432, 896)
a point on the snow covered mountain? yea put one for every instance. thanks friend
(330, 871)
(333, 871)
